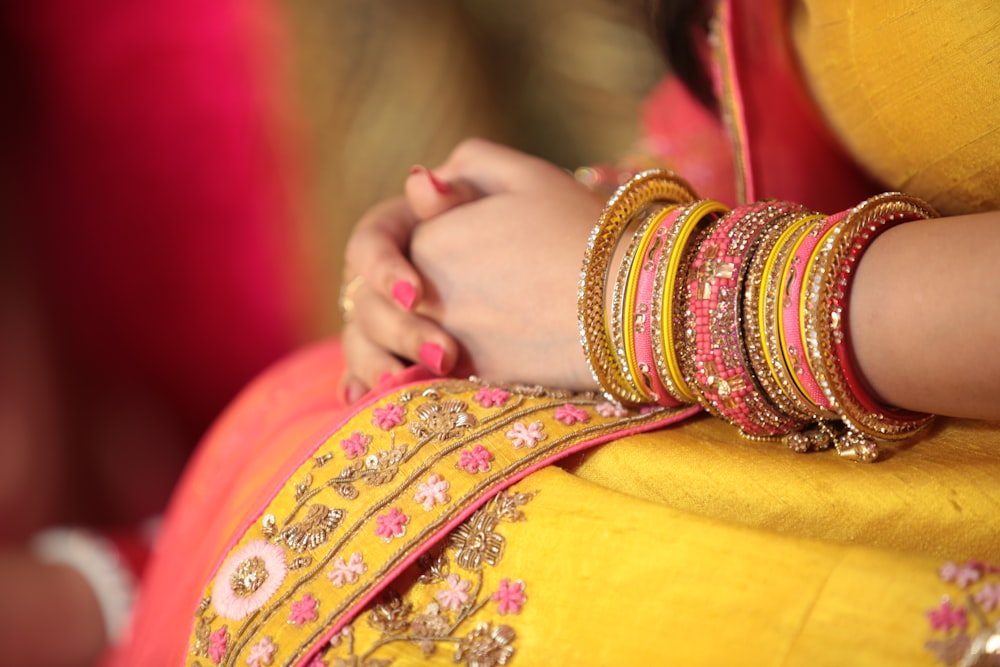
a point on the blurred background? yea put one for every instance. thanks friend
(381, 85)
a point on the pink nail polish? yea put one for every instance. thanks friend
(404, 293)
(439, 185)
(385, 377)
(432, 355)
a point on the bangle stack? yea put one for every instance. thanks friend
(742, 311)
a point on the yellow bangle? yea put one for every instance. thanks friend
(654, 186)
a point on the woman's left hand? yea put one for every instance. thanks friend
(500, 271)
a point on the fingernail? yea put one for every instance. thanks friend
(404, 293)
(352, 393)
(433, 357)
(385, 377)
(441, 186)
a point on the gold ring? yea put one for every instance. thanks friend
(347, 291)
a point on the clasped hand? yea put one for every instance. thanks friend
(473, 270)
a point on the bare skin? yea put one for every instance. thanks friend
(495, 262)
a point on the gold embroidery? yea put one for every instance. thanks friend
(420, 431)
(313, 530)
(249, 576)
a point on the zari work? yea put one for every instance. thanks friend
(370, 498)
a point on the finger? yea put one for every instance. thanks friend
(377, 251)
(367, 363)
(491, 168)
(407, 335)
(429, 195)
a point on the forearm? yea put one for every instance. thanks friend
(925, 316)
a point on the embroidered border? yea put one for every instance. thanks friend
(397, 475)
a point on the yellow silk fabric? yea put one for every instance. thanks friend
(911, 88)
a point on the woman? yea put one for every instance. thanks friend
(426, 524)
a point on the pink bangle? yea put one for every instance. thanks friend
(722, 378)
(828, 344)
(643, 329)
(792, 311)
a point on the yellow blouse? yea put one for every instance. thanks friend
(912, 88)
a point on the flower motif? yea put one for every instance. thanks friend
(526, 436)
(388, 416)
(391, 615)
(988, 597)
(444, 420)
(947, 616)
(262, 653)
(347, 572)
(456, 595)
(356, 445)
(486, 646)
(510, 598)
(304, 610)
(433, 492)
(491, 397)
(475, 541)
(475, 460)
(248, 579)
(962, 575)
(218, 644)
(570, 414)
(391, 524)
(608, 410)
(432, 623)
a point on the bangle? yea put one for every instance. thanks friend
(622, 310)
(827, 341)
(760, 314)
(672, 353)
(642, 190)
(795, 315)
(722, 377)
(646, 307)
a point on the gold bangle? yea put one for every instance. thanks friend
(643, 189)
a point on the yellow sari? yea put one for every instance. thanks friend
(428, 526)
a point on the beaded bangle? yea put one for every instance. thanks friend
(827, 342)
(672, 354)
(760, 314)
(643, 189)
(722, 378)
(640, 354)
(621, 311)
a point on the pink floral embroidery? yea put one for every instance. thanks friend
(570, 414)
(391, 525)
(510, 598)
(304, 610)
(490, 397)
(456, 595)
(988, 597)
(475, 460)
(248, 578)
(433, 492)
(347, 572)
(947, 616)
(962, 575)
(218, 644)
(388, 416)
(262, 653)
(318, 661)
(356, 445)
(526, 436)
(608, 410)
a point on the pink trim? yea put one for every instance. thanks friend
(643, 340)
(483, 498)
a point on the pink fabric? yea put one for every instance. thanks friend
(159, 194)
